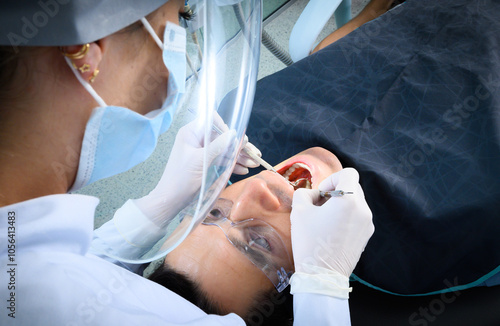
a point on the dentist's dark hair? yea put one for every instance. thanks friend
(9, 63)
(270, 308)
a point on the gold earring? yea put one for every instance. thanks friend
(78, 55)
(84, 68)
(94, 75)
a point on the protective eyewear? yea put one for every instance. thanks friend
(257, 240)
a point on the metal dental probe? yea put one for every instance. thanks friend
(258, 159)
(325, 194)
(250, 153)
(334, 193)
(266, 165)
(255, 157)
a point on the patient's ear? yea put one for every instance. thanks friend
(85, 58)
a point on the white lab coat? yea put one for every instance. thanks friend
(56, 281)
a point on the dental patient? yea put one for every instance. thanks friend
(237, 272)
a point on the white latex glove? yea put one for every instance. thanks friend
(183, 173)
(140, 223)
(243, 161)
(327, 240)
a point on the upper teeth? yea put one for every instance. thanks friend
(289, 172)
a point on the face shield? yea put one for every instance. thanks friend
(216, 93)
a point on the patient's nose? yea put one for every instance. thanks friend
(254, 200)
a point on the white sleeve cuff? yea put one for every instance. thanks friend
(316, 309)
(318, 280)
(135, 227)
(129, 234)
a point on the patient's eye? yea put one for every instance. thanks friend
(216, 214)
(258, 240)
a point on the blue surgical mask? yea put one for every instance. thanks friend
(116, 138)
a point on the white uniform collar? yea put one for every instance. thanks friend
(65, 220)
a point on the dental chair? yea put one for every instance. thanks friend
(308, 26)
(471, 307)
(312, 21)
(412, 101)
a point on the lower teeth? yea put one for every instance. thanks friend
(302, 183)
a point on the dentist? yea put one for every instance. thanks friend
(85, 91)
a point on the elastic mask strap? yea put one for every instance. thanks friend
(89, 88)
(173, 53)
(86, 85)
(151, 31)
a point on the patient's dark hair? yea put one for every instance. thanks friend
(270, 308)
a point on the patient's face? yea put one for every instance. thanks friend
(219, 268)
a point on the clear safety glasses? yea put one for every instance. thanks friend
(257, 240)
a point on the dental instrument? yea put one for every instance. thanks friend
(267, 166)
(259, 159)
(299, 183)
(250, 153)
(334, 193)
(295, 184)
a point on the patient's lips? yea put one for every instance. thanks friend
(298, 174)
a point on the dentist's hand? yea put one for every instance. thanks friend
(244, 161)
(328, 240)
(183, 173)
(140, 223)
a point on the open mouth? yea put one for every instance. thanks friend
(298, 174)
